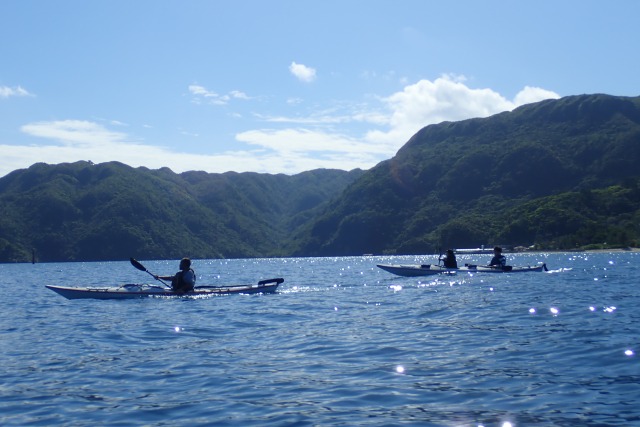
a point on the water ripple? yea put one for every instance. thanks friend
(342, 343)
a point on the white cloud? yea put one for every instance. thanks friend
(297, 150)
(77, 133)
(287, 151)
(302, 72)
(306, 141)
(204, 95)
(294, 101)
(314, 119)
(73, 140)
(324, 139)
(533, 94)
(446, 98)
(238, 95)
(202, 91)
(391, 124)
(7, 92)
(406, 112)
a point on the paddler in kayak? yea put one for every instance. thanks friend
(184, 280)
(498, 260)
(449, 260)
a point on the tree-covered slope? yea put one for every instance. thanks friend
(481, 181)
(558, 174)
(82, 211)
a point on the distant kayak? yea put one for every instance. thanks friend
(130, 291)
(416, 270)
(505, 269)
(430, 269)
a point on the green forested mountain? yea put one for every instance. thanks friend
(111, 211)
(558, 174)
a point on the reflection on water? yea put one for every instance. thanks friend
(341, 343)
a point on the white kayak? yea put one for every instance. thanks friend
(130, 291)
(430, 269)
(416, 270)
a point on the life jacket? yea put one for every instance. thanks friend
(179, 285)
(499, 260)
(450, 262)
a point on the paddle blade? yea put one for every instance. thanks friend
(137, 265)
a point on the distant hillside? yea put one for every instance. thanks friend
(110, 211)
(558, 174)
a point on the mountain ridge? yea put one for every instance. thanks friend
(453, 184)
(558, 174)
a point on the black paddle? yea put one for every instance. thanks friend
(141, 267)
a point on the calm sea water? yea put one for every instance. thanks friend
(341, 343)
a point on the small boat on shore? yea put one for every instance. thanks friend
(132, 290)
(430, 269)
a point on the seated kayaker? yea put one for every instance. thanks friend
(498, 260)
(449, 260)
(184, 280)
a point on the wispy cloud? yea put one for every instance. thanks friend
(302, 72)
(390, 123)
(204, 95)
(307, 141)
(314, 119)
(238, 94)
(294, 101)
(78, 133)
(7, 92)
(324, 138)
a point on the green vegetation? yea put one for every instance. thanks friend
(110, 211)
(559, 174)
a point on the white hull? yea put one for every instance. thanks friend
(130, 291)
(429, 269)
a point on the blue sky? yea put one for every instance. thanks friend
(287, 86)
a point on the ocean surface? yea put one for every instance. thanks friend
(341, 343)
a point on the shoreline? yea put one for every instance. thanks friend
(607, 250)
(613, 250)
